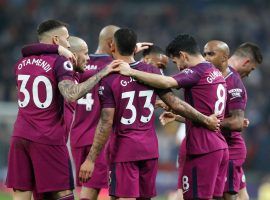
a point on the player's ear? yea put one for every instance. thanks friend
(55, 39)
(146, 59)
(245, 62)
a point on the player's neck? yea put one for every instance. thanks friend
(102, 50)
(196, 60)
(128, 59)
(233, 62)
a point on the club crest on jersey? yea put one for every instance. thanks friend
(124, 83)
(90, 67)
(68, 65)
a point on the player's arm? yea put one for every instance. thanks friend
(235, 122)
(167, 117)
(184, 109)
(102, 133)
(71, 91)
(154, 80)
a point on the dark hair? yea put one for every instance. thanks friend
(182, 42)
(125, 40)
(49, 25)
(152, 50)
(251, 50)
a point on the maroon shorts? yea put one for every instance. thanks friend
(235, 176)
(99, 177)
(181, 161)
(133, 179)
(39, 167)
(204, 175)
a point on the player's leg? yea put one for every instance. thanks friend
(199, 178)
(124, 180)
(243, 194)
(53, 171)
(147, 178)
(234, 179)
(89, 193)
(20, 174)
(99, 179)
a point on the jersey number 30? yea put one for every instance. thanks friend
(39, 79)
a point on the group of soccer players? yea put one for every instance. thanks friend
(105, 103)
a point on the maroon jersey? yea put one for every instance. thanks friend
(40, 115)
(205, 90)
(87, 111)
(236, 99)
(134, 137)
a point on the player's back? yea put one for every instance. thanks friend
(205, 90)
(40, 115)
(134, 136)
(237, 99)
(88, 107)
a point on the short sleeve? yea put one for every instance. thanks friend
(237, 97)
(187, 78)
(39, 48)
(63, 69)
(106, 95)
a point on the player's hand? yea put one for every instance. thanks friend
(62, 51)
(140, 46)
(167, 117)
(113, 66)
(124, 69)
(86, 170)
(245, 123)
(160, 104)
(213, 123)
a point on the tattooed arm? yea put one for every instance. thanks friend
(102, 133)
(234, 122)
(184, 109)
(71, 91)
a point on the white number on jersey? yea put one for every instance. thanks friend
(49, 93)
(88, 101)
(220, 103)
(130, 95)
(185, 183)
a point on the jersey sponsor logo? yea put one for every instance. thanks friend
(235, 93)
(90, 67)
(213, 75)
(124, 83)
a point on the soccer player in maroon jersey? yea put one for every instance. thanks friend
(205, 89)
(127, 108)
(39, 137)
(244, 60)
(86, 117)
(218, 52)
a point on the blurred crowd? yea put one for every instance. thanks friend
(234, 22)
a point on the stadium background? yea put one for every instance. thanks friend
(232, 21)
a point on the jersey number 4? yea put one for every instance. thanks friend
(88, 101)
(35, 93)
(130, 95)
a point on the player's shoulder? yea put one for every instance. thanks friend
(233, 79)
(142, 66)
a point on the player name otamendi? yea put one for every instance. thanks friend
(39, 62)
(213, 75)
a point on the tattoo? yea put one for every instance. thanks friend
(71, 91)
(102, 132)
(184, 109)
(234, 122)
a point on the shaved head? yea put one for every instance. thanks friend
(107, 33)
(105, 39)
(217, 52)
(219, 46)
(76, 43)
(80, 49)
